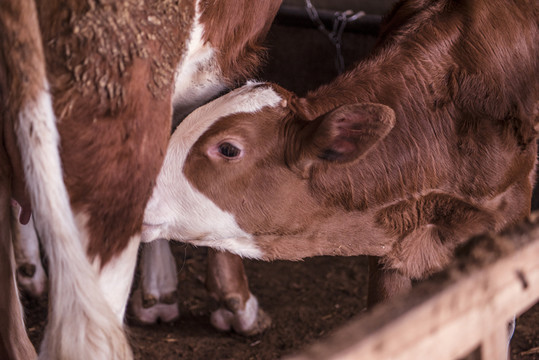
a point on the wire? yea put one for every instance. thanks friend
(335, 35)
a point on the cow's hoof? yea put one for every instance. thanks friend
(246, 320)
(149, 310)
(32, 279)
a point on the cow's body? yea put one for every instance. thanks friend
(114, 71)
(426, 143)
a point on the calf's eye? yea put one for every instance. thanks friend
(228, 150)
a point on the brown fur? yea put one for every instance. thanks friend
(429, 229)
(111, 66)
(461, 78)
(91, 48)
(384, 283)
(100, 153)
(237, 27)
(227, 284)
(227, 277)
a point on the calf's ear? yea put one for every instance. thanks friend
(348, 132)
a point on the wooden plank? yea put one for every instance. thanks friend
(492, 279)
(494, 346)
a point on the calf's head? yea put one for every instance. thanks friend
(238, 171)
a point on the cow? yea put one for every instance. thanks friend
(87, 91)
(429, 141)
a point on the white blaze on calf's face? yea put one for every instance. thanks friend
(176, 209)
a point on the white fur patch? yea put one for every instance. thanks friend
(81, 219)
(198, 77)
(158, 268)
(158, 279)
(116, 277)
(179, 211)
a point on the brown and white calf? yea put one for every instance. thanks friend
(429, 141)
(98, 80)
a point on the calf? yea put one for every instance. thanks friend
(106, 68)
(429, 141)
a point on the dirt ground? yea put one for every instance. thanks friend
(306, 300)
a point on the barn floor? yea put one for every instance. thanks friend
(306, 301)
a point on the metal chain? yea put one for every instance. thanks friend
(335, 36)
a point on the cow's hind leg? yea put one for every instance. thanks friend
(14, 342)
(238, 307)
(156, 297)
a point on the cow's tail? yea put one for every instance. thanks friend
(81, 325)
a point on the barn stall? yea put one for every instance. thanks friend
(322, 300)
